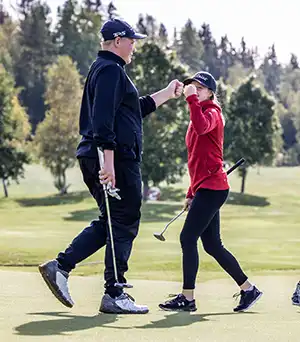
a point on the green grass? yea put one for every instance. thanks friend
(261, 227)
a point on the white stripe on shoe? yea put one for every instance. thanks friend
(62, 284)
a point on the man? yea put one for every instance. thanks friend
(111, 119)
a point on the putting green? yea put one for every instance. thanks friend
(29, 312)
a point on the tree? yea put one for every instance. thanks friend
(272, 71)
(210, 54)
(227, 57)
(37, 52)
(112, 11)
(163, 35)
(57, 135)
(164, 155)
(190, 48)
(148, 25)
(8, 43)
(237, 74)
(155, 32)
(289, 91)
(14, 129)
(294, 64)
(77, 32)
(253, 126)
(246, 56)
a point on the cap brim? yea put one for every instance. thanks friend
(138, 36)
(190, 80)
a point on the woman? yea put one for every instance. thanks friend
(207, 193)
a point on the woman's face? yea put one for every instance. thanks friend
(203, 93)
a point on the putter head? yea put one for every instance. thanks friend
(123, 285)
(159, 236)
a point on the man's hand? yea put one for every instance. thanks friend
(189, 90)
(107, 175)
(174, 89)
(187, 204)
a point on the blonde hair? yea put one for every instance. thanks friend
(214, 97)
(105, 44)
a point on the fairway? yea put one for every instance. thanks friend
(260, 227)
(30, 313)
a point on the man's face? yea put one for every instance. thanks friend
(126, 48)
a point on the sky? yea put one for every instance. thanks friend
(261, 22)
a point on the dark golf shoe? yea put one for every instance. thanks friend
(179, 303)
(247, 299)
(57, 281)
(296, 295)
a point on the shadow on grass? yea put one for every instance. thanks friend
(151, 212)
(69, 323)
(237, 198)
(180, 319)
(71, 198)
(63, 324)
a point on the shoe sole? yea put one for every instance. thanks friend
(296, 304)
(123, 312)
(178, 310)
(250, 304)
(53, 289)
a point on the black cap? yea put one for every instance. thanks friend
(114, 28)
(204, 78)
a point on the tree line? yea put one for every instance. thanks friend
(43, 68)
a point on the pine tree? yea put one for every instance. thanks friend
(210, 54)
(37, 52)
(272, 72)
(190, 48)
(77, 32)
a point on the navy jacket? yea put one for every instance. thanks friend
(112, 111)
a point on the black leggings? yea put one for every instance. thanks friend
(203, 220)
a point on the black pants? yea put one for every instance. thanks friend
(203, 220)
(125, 216)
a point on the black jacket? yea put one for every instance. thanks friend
(111, 110)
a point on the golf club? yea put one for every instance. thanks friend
(160, 236)
(108, 190)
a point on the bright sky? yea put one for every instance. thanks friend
(261, 22)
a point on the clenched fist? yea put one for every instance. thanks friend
(174, 89)
(189, 90)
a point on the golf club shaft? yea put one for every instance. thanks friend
(173, 219)
(233, 167)
(101, 162)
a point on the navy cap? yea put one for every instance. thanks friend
(204, 78)
(114, 28)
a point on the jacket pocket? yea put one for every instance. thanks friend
(126, 145)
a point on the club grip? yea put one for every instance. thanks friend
(101, 157)
(236, 165)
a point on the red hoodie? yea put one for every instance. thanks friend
(204, 141)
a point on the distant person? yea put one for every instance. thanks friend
(206, 194)
(296, 295)
(111, 119)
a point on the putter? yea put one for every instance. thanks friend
(160, 236)
(108, 190)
